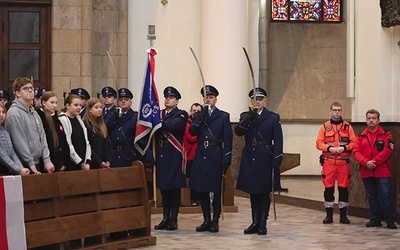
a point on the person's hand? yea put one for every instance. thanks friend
(198, 117)
(63, 168)
(34, 169)
(117, 113)
(49, 167)
(85, 166)
(105, 165)
(370, 164)
(339, 150)
(24, 171)
(252, 113)
(333, 150)
(205, 110)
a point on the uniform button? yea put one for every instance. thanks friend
(254, 149)
(117, 138)
(161, 155)
(204, 157)
(119, 157)
(254, 159)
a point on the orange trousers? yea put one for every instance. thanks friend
(332, 173)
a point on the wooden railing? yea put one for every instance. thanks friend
(74, 205)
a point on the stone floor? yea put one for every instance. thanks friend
(295, 228)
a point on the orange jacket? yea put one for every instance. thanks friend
(335, 135)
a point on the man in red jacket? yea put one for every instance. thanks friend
(373, 150)
(190, 144)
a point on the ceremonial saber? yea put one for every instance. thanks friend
(114, 71)
(201, 73)
(252, 76)
(273, 192)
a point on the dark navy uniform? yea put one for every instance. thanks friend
(108, 91)
(213, 157)
(121, 130)
(262, 152)
(169, 159)
(214, 140)
(264, 142)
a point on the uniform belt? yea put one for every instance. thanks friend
(122, 148)
(255, 143)
(216, 144)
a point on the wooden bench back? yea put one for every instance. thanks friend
(72, 205)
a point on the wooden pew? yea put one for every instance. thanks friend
(67, 206)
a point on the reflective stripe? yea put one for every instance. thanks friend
(328, 204)
(343, 204)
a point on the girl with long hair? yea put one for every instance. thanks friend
(55, 135)
(97, 133)
(76, 134)
(9, 162)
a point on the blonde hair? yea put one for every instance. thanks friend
(95, 123)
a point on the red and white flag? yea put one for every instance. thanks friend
(12, 227)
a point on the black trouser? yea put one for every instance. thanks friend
(205, 202)
(171, 198)
(194, 196)
(261, 203)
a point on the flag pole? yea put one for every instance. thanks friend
(154, 174)
(151, 36)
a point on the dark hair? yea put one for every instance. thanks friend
(196, 104)
(44, 98)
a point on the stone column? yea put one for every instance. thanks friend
(224, 32)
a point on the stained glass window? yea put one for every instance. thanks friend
(306, 10)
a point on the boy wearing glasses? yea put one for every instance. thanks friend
(336, 139)
(26, 129)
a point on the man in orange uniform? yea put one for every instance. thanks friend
(336, 139)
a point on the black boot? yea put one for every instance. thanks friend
(343, 217)
(206, 223)
(173, 221)
(329, 216)
(166, 216)
(214, 228)
(262, 230)
(253, 228)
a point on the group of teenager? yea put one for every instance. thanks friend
(88, 134)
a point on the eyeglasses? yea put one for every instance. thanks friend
(30, 88)
(336, 110)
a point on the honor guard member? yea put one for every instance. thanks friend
(336, 139)
(38, 93)
(121, 126)
(4, 97)
(170, 158)
(262, 153)
(213, 156)
(84, 95)
(109, 94)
